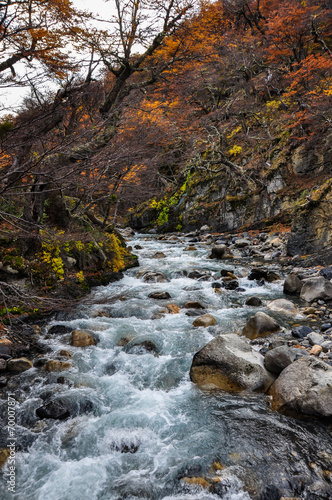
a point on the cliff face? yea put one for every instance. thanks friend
(295, 190)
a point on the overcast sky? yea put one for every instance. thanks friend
(11, 98)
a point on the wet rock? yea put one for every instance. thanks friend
(270, 492)
(82, 339)
(254, 302)
(159, 295)
(260, 325)
(220, 252)
(38, 363)
(173, 308)
(231, 285)
(159, 255)
(257, 274)
(229, 363)
(315, 338)
(216, 285)
(3, 381)
(193, 304)
(326, 326)
(3, 365)
(196, 481)
(143, 347)
(199, 275)
(59, 330)
(283, 306)
(19, 365)
(279, 358)
(292, 285)
(205, 320)
(56, 410)
(124, 341)
(193, 312)
(304, 387)
(4, 455)
(191, 248)
(301, 332)
(153, 277)
(138, 247)
(272, 276)
(124, 447)
(64, 380)
(316, 288)
(56, 366)
(65, 354)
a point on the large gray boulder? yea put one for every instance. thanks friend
(277, 359)
(304, 387)
(260, 325)
(229, 363)
(316, 288)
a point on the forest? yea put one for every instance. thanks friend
(131, 109)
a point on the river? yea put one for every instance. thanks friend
(140, 424)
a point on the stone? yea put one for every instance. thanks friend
(316, 350)
(279, 358)
(292, 285)
(56, 366)
(56, 410)
(59, 330)
(220, 252)
(173, 308)
(242, 243)
(301, 332)
(304, 387)
(254, 302)
(142, 347)
(315, 338)
(159, 255)
(325, 326)
(257, 274)
(270, 492)
(19, 365)
(205, 320)
(193, 304)
(159, 295)
(82, 339)
(327, 345)
(3, 365)
(36, 329)
(65, 354)
(153, 277)
(190, 249)
(271, 276)
(326, 273)
(199, 275)
(4, 455)
(283, 306)
(197, 481)
(231, 285)
(6, 347)
(316, 288)
(260, 325)
(204, 228)
(309, 310)
(228, 362)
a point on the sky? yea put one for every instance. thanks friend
(11, 98)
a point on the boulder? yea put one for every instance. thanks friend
(82, 339)
(56, 366)
(242, 243)
(316, 288)
(159, 295)
(220, 252)
(260, 325)
(254, 302)
(205, 320)
(6, 347)
(193, 304)
(257, 274)
(159, 255)
(283, 306)
(19, 365)
(315, 338)
(292, 285)
(229, 363)
(279, 358)
(55, 409)
(230, 285)
(153, 277)
(272, 276)
(304, 387)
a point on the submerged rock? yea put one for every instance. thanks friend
(193, 304)
(229, 363)
(254, 302)
(153, 277)
(55, 409)
(205, 320)
(304, 387)
(159, 295)
(56, 366)
(260, 325)
(173, 308)
(220, 252)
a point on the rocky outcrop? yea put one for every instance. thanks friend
(304, 388)
(260, 325)
(229, 363)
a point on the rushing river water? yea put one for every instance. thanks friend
(144, 424)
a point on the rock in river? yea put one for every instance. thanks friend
(283, 306)
(55, 409)
(159, 295)
(304, 387)
(19, 365)
(260, 325)
(205, 320)
(220, 252)
(229, 363)
(82, 339)
(316, 288)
